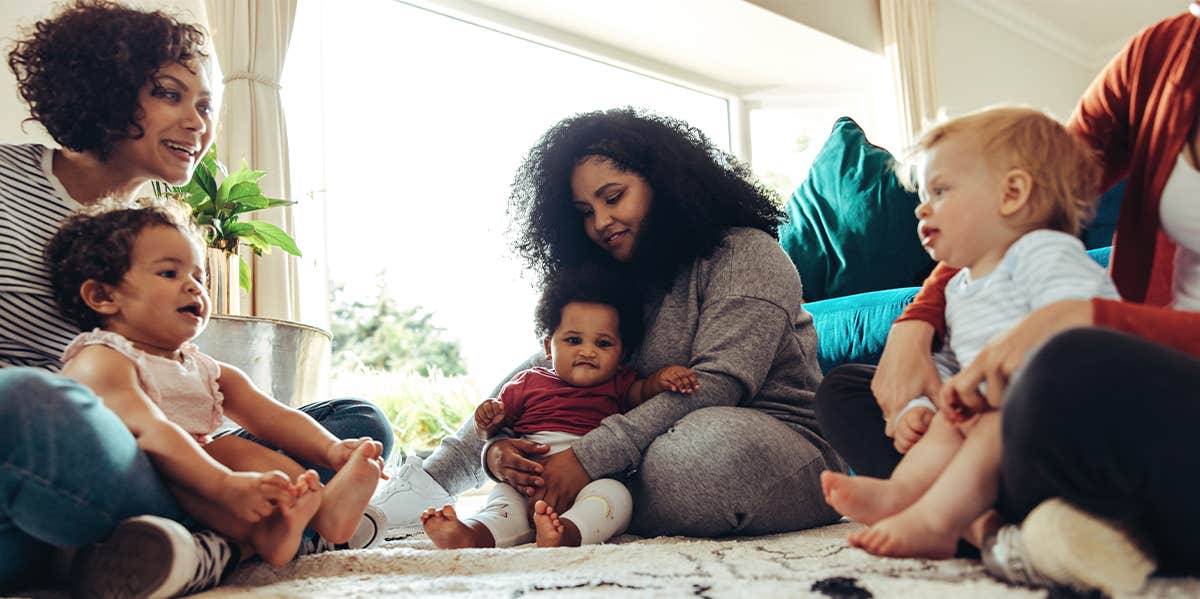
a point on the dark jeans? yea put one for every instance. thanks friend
(70, 471)
(1102, 419)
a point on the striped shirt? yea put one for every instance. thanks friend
(1040, 268)
(32, 205)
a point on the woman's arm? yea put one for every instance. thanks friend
(174, 452)
(1173, 328)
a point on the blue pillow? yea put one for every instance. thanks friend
(853, 330)
(851, 225)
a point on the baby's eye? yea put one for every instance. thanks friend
(605, 343)
(167, 274)
(573, 340)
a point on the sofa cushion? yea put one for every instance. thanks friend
(851, 224)
(853, 329)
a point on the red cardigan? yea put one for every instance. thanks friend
(1138, 113)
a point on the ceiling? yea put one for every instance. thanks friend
(722, 42)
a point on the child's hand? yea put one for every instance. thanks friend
(489, 417)
(339, 453)
(911, 427)
(252, 496)
(679, 379)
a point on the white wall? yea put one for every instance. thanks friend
(980, 62)
(19, 16)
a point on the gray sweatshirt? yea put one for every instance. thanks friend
(735, 319)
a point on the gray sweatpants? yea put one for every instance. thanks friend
(719, 471)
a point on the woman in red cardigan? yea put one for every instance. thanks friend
(1102, 413)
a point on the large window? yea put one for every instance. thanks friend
(406, 128)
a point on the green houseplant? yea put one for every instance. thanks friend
(219, 199)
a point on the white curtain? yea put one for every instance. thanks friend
(251, 39)
(908, 46)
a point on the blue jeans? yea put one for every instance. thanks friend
(70, 471)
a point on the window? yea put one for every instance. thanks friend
(405, 128)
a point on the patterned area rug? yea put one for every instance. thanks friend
(813, 563)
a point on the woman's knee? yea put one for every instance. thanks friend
(28, 393)
(351, 418)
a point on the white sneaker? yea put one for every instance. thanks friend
(369, 534)
(149, 557)
(407, 493)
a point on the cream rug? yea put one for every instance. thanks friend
(787, 565)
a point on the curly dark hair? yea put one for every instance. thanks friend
(97, 244)
(700, 192)
(80, 71)
(590, 283)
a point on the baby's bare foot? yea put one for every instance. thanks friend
(907, 534)
(547, 524)
(448, 532)
(346, 496)
(277, 537)
(862, 498)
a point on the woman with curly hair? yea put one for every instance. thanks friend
(695, 235)
(126, 95)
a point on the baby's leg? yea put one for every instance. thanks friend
(932, 526)
(278, 536)
(868, 500)
(346, 496)
(244, 455)
(601, 510)
(501, 523)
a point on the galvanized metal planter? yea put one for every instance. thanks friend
(287, 360)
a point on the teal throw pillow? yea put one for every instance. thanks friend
(851, 224)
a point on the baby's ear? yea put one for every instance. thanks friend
(1017, 187)
(98, 297)
(546, 346)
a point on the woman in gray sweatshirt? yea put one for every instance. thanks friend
(695, 235)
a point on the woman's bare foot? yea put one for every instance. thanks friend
(547, 524)
(907, 534)
(277, 537)
(346, 496)
(448, 532)
(863, 498)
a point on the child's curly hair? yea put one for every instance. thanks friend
(80, 71)
(96, 244)
(592, 284)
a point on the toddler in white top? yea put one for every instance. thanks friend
(134, 277)
(1003, 191)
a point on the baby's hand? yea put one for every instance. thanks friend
(339, 453)
(489, 416)
(911, 427)
(252, 496)
(679, 379)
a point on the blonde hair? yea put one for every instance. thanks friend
(1065, 171)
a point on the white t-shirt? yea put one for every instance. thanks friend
(32, 205)
(1040, 268)
(1179, 213)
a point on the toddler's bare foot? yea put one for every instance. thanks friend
(346, 497)
(907, 534)
(277, 537)
(862, 498)
(547, 524)
(448, 532)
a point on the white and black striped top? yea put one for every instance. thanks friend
(32, 205)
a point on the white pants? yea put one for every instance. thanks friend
(601, 511)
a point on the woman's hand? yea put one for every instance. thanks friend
(1004, 354)
(565, 478)
(508, 460)
(905, 370)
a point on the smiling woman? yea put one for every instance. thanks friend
(126, 95)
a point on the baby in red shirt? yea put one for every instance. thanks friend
(588, 327)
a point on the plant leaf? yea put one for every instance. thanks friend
(203, 179)
(275, 236)
(242, 175)
(244, 275)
